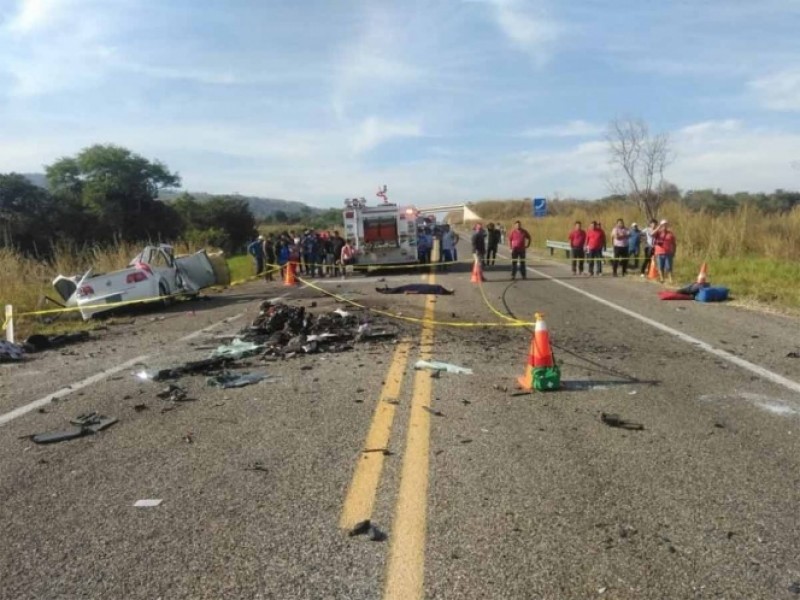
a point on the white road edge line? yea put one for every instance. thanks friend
(65, 391)
(723, 354)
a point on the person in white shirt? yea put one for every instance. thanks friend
(649, 232)
(619, 239)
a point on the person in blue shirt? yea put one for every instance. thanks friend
(256, 250)
(634, 244)
(424, 246)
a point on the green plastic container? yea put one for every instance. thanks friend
(547, 379)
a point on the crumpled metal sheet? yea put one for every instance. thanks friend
(10, 352)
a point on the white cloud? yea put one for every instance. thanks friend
(529, 32)
(54, 45)
(733, 157)
(576, 128)
(778, 91)
(34, 15)
(373, 131)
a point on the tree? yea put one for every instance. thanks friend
(120, 189)
(640, 160)
(25, 214)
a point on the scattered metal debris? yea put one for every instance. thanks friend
(174, 393)
(85, 424)
(237, 349)
(140, 407)
(205, 365)
(442, 366)
(228, 379)
(288, 331)
(613, 420)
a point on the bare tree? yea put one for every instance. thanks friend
(639, 160)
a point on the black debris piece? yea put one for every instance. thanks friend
(613, 420)
(360, 528)
(794, 587)
(257, 466)
(417, 288)
(793, 355)
(376, 535)
(38, 342)
(140, 407)
(85, 424)
(435, 413)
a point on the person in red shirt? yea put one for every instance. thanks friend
(577, 243)
(595, 242)
(664, 246)
(519, 240)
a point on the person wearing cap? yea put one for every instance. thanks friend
(664, 246)
(634, 244)
(256, 250)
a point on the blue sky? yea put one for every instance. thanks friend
(442, 100)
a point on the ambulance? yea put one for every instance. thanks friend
(384, 234)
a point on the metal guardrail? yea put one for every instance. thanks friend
(554, 245)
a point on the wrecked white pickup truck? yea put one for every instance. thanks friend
(154, 274)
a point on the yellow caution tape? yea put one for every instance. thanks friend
(413, 319)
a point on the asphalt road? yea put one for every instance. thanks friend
(480, 493)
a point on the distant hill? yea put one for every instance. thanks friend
(37, 179)
(261, 207)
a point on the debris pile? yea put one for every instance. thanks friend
(287, 331)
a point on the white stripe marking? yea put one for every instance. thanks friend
(97, 377)
(724, 355)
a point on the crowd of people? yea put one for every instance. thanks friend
(657, 240)
(328, 254)
(316, 253)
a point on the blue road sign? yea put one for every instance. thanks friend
(540, 207)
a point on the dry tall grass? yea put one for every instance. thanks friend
(25, 280)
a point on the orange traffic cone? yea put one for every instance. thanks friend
(477, 272)
(540, 354)
(702, 277)
(653, 272)
(289, 278)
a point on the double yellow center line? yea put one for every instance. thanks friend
(406, 566)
